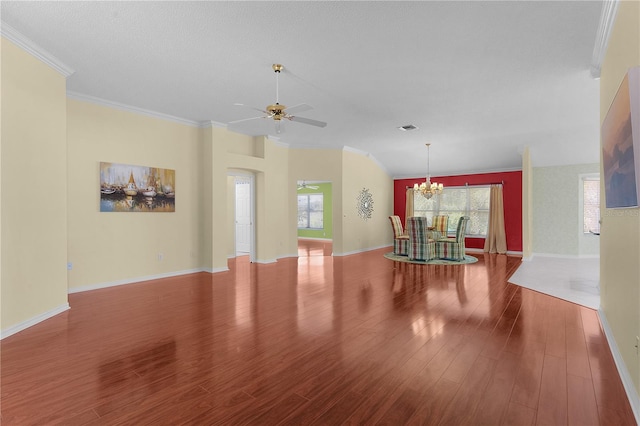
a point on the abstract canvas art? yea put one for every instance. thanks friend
(621, 144)
(128, 188)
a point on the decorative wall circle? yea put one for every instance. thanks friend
(365, 204)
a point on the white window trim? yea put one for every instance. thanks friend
(468, 204)
(581, 178)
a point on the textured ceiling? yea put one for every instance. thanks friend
(480, 80)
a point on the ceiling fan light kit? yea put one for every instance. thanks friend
(277, 111)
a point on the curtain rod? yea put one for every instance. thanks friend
(488, 183)
(467, 184)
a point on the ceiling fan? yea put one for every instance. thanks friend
(278, 112)
(304, 185)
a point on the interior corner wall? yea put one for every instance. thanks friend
(527, 205)
(205, 257)
(317, 165)
(556, 213)
(34, 189)
(268, 161)
(231, 216)
(620, 229)
(361, 172)
(113, 247)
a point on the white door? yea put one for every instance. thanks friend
(243, 215)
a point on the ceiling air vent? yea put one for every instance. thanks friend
(407, 127)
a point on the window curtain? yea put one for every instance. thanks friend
(409, 207)
(496, 241)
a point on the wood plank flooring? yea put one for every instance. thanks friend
(317, 340)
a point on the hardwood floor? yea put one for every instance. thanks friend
(317, 340)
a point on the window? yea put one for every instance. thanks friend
(472, 201)
(591, 205)
(310, 211)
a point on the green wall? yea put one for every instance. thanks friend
(327, 232)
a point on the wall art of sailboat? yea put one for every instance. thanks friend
(131, 189)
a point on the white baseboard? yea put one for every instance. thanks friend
(627, 381)
(266, 261)
(33, 321)
(567, 256)
(361, 250)
(316, 239)
(286, 256)
(215, 270)
(135, 280)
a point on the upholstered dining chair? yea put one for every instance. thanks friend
(421, 247)
(438, 227)
(400, 239)
(453, 248)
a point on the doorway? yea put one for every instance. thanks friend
(244, 233)
(315, 218)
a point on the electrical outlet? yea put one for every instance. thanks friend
(160, 257)
(69, 266)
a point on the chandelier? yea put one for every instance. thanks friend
(427, 188)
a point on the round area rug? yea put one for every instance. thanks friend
(397, 258)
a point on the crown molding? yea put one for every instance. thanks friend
(210, 123)
(607, 18)
(136, 110)
(463, 173)
(30, 47)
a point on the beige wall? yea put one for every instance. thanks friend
(349, 172)
(361, 172)
(34, 188)
(60, 158)
(111, 247)
(620, 238)
(317, 165)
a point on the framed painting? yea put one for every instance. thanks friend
(128, 188)
(621, 145)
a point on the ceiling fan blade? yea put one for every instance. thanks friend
(298, 108)
(308, 121)
(246, 119)
(250, 107)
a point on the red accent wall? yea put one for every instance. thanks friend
(511, 191)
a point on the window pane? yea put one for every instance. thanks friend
(315, 220)
(479, 198)
(478, 223)
(303, 219)
(315, 202)
(591, 198)
(453, 199)
(303, 211)
(310, 211)
(424, 207)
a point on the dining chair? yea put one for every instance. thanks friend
(421, 247)
(439, 226)
(453, 248)
(400, 238)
